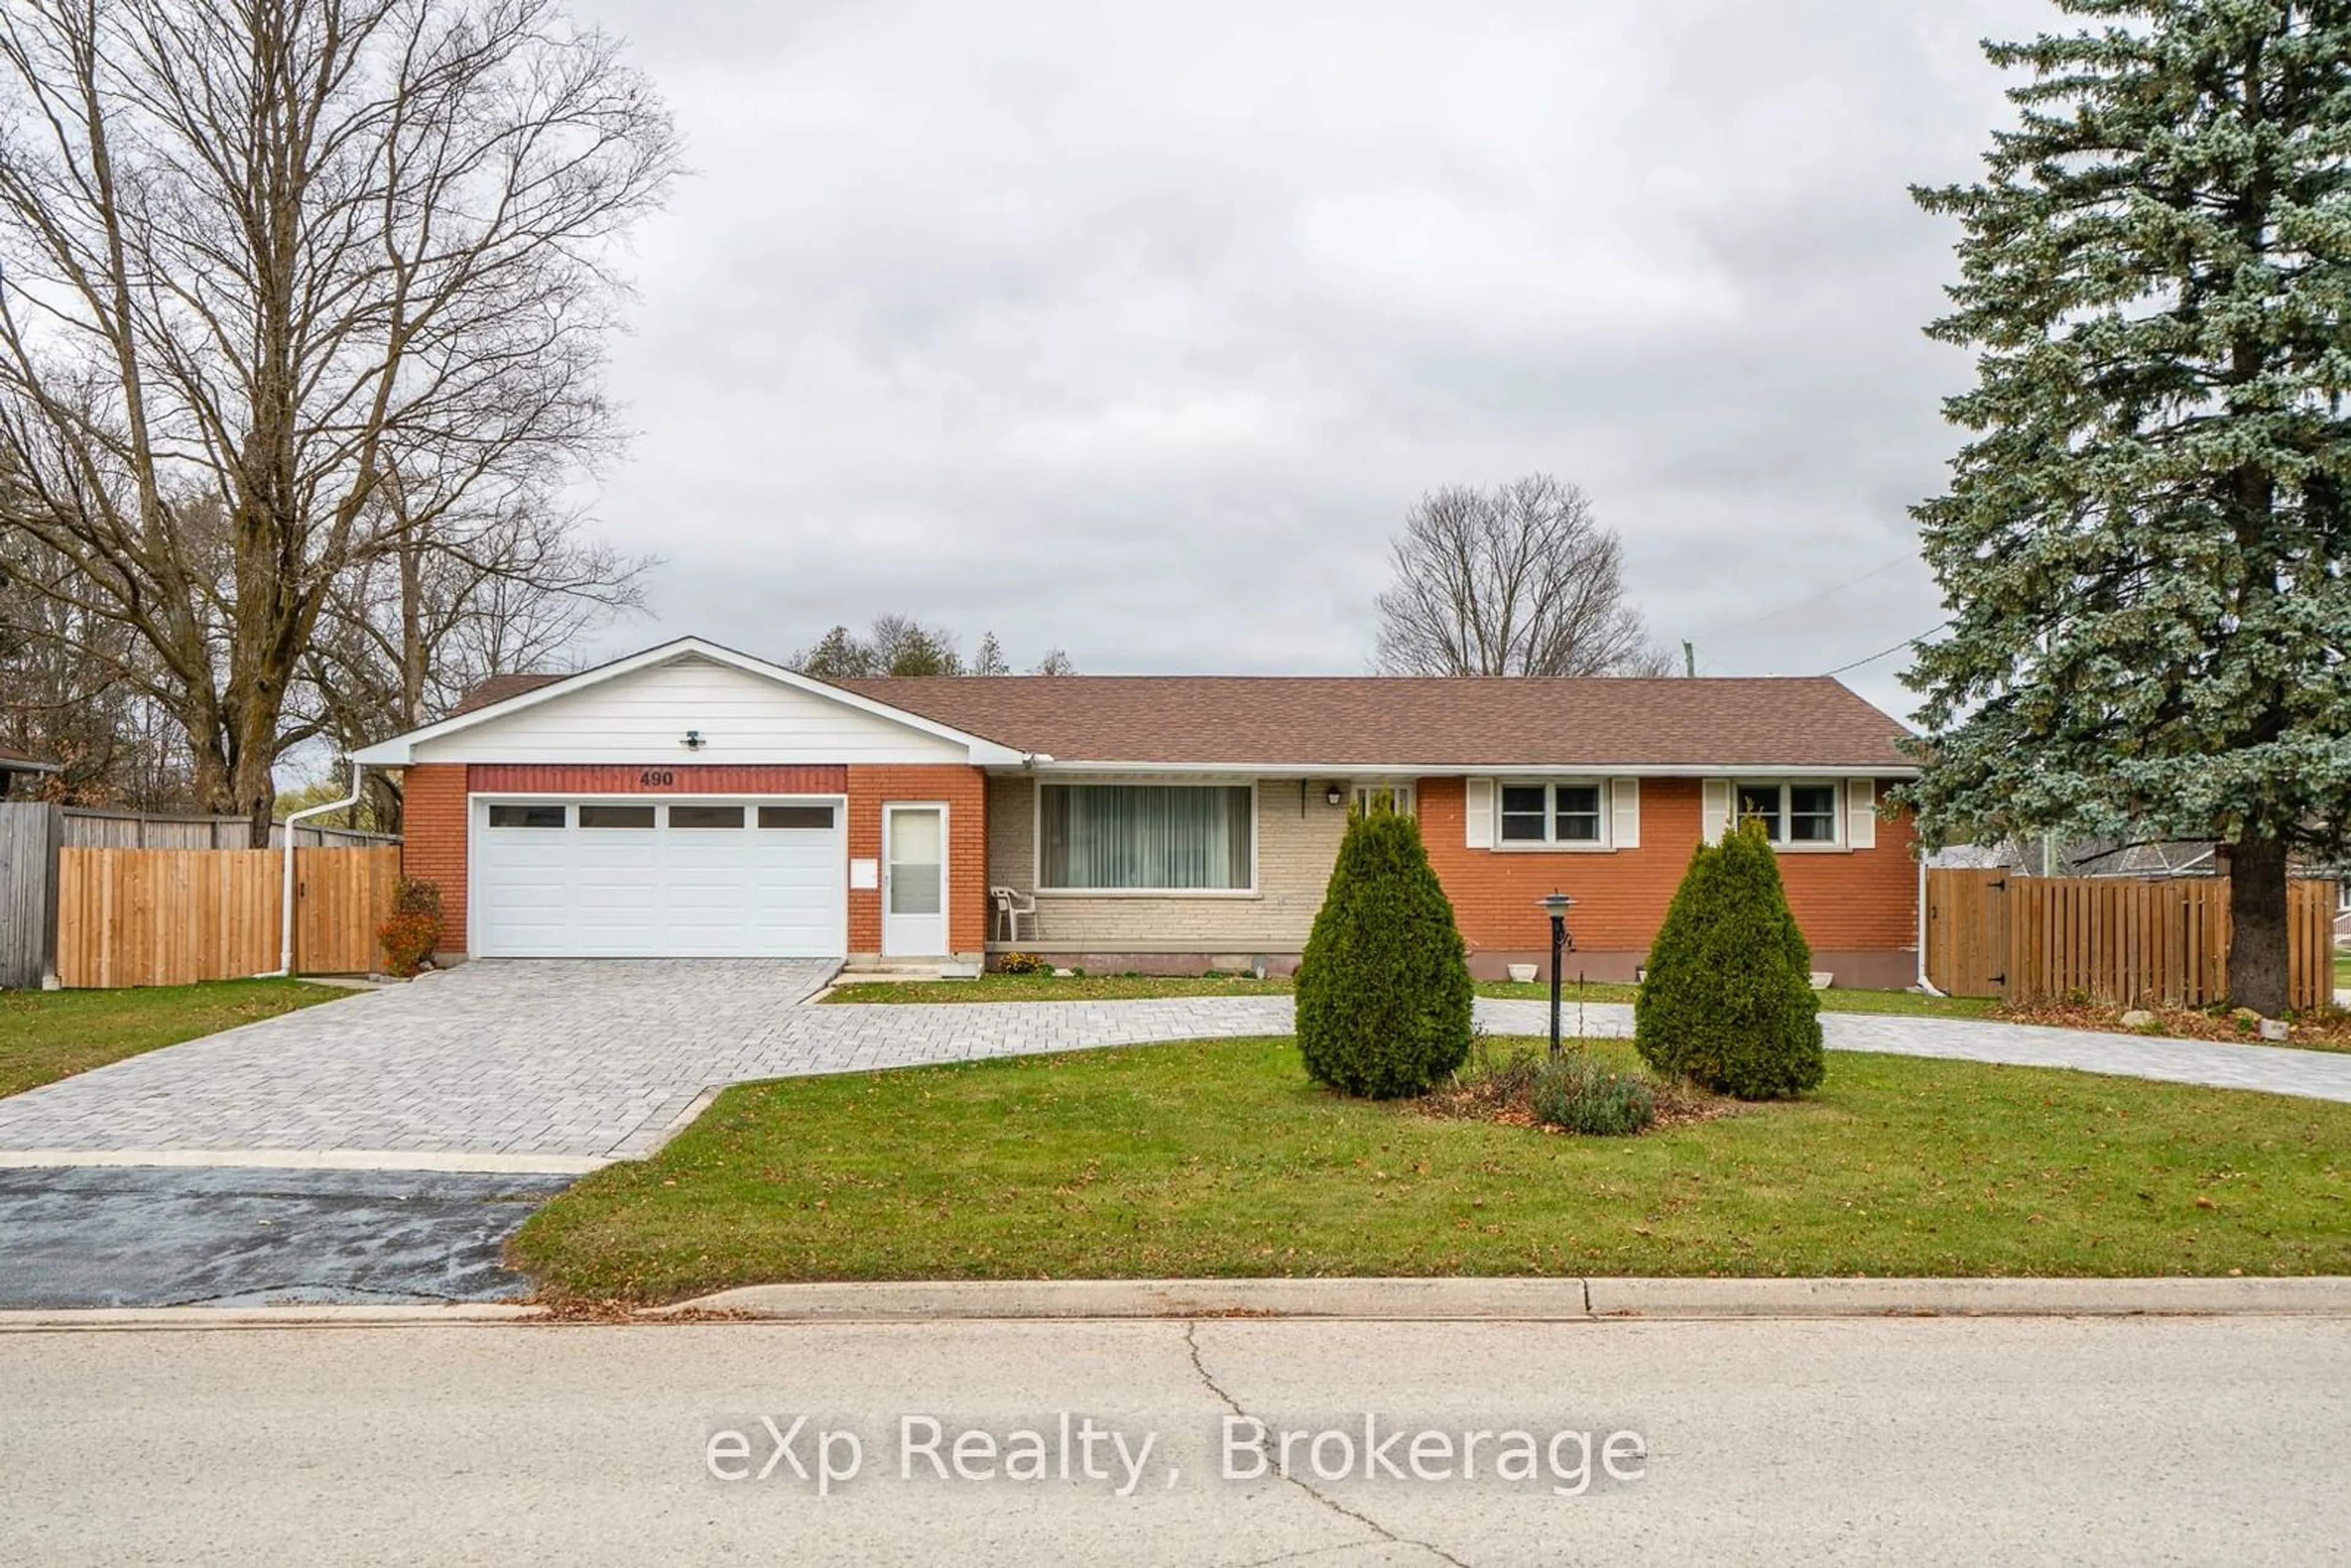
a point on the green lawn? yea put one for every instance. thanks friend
(1219, 1159)
(993, 987)
(48, 1035)
(2342, 970)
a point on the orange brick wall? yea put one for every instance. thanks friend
(964, 791)
(432, 840)
(1860, 901)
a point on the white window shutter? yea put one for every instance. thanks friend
(1861, 814)
(1624, 814)
(1714, 815)
(1478, 810)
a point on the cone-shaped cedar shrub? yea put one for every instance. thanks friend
(1383, 989)
(1729, 999)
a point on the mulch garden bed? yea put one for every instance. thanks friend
(1490, 1093)
(2328, 1029)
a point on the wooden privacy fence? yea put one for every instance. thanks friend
(171, 918)
(29, 860)
(2113, 939)
(88, 826)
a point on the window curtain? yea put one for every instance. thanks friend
(1146, 836)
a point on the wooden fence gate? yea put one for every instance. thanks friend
(172, 918)
(2116, 940)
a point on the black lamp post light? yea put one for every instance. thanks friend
(1556, 905)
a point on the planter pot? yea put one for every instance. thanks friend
(1524, 974)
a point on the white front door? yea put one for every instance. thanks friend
(914, 882)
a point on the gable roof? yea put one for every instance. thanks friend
(1372, 721)
(502, 696)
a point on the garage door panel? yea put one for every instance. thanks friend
(590, 891)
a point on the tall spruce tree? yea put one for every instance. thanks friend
(2144, 545)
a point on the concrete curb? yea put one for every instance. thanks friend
(37, 1320)
(1525, 1301)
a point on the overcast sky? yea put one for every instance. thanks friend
(1135, 329)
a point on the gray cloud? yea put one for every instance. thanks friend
(1135, 329)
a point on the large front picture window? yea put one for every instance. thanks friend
(1144, 838)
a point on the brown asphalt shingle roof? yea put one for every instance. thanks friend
(10, 757)
(1765, 722)
(1777, 722)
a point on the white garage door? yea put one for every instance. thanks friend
(659, 879)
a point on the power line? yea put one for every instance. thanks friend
(1810, 599)
(1888, 653)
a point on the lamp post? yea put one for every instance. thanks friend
(1556, 905)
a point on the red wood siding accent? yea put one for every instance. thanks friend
(628, 778)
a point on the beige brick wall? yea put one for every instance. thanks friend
(1294, 855)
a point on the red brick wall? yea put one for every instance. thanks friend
(1861, 900)
(964, 791)
(432, 840)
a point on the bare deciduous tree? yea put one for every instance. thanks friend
(258, 259)
(1521, 580)
(67, 692)
(407, 631)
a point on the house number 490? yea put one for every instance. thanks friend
(654, 777)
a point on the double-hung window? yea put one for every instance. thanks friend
(1555, 814)
(1396, 798)
(1791, 814)
(1145, 838)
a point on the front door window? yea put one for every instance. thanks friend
(913, 881)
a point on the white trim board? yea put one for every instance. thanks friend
(1044, 767)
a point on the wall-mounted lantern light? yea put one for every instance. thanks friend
(1334, 794)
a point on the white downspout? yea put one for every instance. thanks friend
(1925, 984)
(286, 921)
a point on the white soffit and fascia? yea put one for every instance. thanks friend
(639, 708)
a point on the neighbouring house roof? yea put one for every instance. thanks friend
(498, 688)
(15, 761)
(1391, 721)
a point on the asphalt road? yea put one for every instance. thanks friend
(141, 1236)
(1867, 1441)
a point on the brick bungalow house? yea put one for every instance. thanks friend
(693, 801)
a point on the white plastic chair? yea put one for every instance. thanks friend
(1011, 907)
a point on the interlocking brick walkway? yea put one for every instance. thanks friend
(556, 1066)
